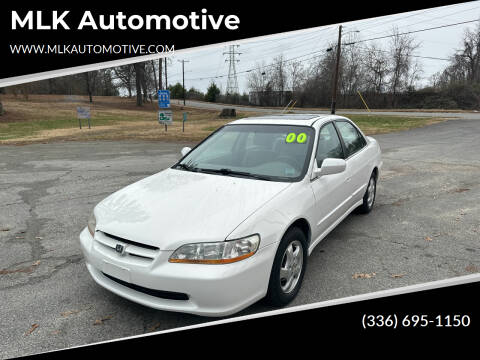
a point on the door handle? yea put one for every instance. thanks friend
(348, 179)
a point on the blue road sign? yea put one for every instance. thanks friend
(163, 99)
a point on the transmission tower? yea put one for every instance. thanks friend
(232, 82)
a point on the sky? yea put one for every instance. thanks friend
(208, 64)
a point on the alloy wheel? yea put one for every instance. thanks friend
(371, 192)
(291, 266)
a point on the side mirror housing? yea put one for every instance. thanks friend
(185, 151)
(329, 166)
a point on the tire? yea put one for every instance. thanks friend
(370, 195)
(284, 284)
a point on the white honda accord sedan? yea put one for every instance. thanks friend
(236, 218)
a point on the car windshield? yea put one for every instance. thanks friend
(265, 152)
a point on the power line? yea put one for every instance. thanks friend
(377, 24)
(313, 31)
(412, 55)
(311, 35)
(262, 67)
(351, 43)
(413, 31)
(429, 20)
(295, 58)
(268, 53)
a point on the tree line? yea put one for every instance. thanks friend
(140, 80)
(387, 76)
(381, 74)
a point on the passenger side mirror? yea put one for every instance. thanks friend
(329, 166)
(185, 151)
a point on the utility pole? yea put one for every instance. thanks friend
(335, 81)
(232, 82)
(183, 78)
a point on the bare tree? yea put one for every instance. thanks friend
(125, 74)
(257, 78)
(160, 77)
(352, 70)
(296, 75)
(105, 85)
(317, 87)
(376, 67)
(90, 78)
(139, 74)
(143, 81)
(155, 75)
(470, 57)
(145, 78)
(400, 53)
(464, 65)
(415, 75)
(278, 77)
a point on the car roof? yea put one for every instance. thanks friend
(283, 119)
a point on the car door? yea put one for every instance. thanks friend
(329, 190)
(356, 158)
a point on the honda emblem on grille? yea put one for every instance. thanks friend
(120, 249)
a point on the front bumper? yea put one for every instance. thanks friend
(213, 290)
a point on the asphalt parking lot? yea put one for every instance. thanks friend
(424, 227)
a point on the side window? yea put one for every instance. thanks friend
(353, 140)
(329, 145)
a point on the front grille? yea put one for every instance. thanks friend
(170, 295)
(131, 242)
(142, 252)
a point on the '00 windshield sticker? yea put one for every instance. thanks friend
(300, 138)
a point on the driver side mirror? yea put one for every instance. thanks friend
(185, 151)
(329, 166)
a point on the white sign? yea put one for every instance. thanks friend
(165, 117)
(83, 112)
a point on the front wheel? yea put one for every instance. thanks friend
(288, 268)
(369, 197)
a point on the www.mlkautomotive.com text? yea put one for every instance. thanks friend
(74, 49)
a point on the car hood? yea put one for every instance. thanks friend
(176, 207)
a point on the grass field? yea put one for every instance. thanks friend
(46, 118)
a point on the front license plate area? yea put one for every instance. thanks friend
(116, 271)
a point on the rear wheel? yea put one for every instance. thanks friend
(369, 197)
(288, 268)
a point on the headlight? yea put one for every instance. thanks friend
(92, 223)
(223, 252)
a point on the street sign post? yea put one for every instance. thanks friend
(83, 112)
(165, 115)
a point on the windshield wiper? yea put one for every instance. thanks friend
(186, 167)
(236, 173)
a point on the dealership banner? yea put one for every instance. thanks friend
(429, 315)
(45, 37)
